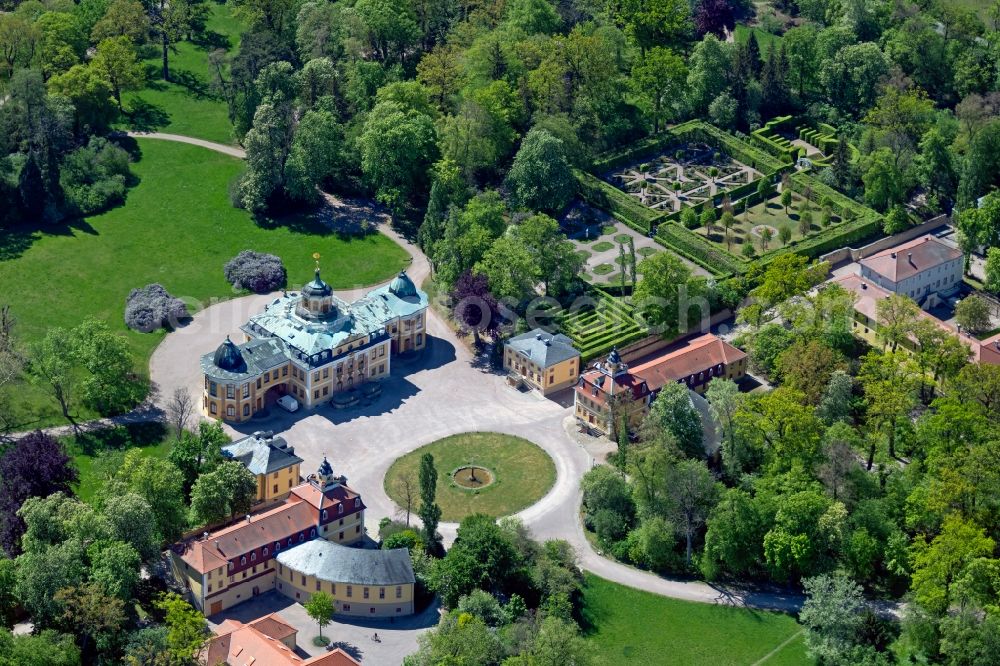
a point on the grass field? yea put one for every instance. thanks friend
(523, 474)
(184, 105)
(765, 39)
(627, 626)
(90, 450)
(177, 228)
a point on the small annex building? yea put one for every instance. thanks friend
(271, 460)
(268, 641)
(544, 361)
(363, 582)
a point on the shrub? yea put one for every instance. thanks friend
(152, 307)
(255, 271)
(94, 177)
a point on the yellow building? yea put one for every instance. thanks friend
(543, 361)
(271, 460)
(311, 346)
(237, 562)
(369, 583)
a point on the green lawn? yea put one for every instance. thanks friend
(91, 450)
(184, 105)
(523, 474)
(177, 228)
(629, 626)
(765, 39)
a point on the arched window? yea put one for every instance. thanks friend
(243, 560)
(289, 541)
(340, 508)
(357, 502)
(324, 514)
(302, 537)
(246, 410)
(312, 532)
(230, 565)
(265, 551)
(277, 546)
(253, 557)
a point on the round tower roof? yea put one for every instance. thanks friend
(317, 287)
(228, 357)
(402, 286)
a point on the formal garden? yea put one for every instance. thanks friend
(687, 173)
(478, 472)
(761, 228)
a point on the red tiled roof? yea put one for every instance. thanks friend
(230, 542)
(867, 295)
(609, 386)
(907, 259)
(700, 354)
(331, 497)
(258, 643)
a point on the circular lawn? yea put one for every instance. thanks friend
(519, 474)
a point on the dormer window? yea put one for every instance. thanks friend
(243, 560)
(253, 557)
(357, 502)
(265, 551)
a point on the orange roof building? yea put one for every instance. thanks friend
(267, 641)
(866, 298)
(613, 385)
(236, 562)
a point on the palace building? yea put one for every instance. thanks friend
(271, 460)
(312, 345)
(234, 563)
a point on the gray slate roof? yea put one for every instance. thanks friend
(357, 566)
(259, 355)
(261, 454)
(543, 348)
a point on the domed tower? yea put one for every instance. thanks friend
(324, 478)
(317, 298)
(614, 365)
(229, 357)
(402, 286)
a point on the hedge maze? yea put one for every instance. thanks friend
(601, 324)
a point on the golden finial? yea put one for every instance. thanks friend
(316, 257)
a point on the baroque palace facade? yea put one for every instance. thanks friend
(312, 345)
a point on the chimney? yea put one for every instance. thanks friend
(893, 255)
(204, 536)
(909, 258)
(538, 336)
(216, 544)
(996, 345)
(864, 285)
(248, 517)
(290, 450)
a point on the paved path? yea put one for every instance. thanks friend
(211, 145)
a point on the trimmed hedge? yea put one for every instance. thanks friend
(621, 205)
(740, 150)
(595, 331)
(700, 250)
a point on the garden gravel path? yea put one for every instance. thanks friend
(233, 151)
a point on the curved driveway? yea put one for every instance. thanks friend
(443, 392)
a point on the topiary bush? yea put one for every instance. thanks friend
(255, 271)
(153, 307)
